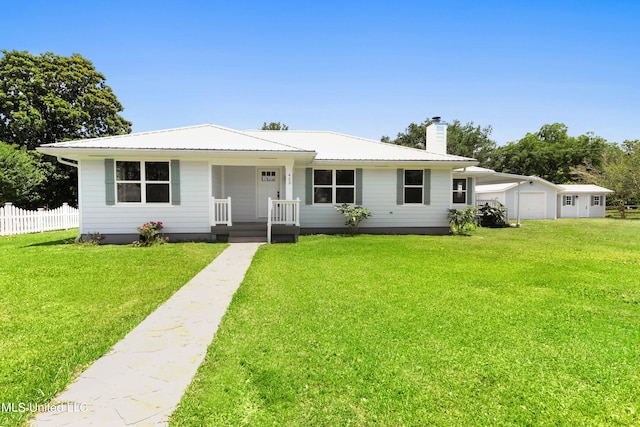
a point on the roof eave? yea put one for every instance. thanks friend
(396, 162)
(85, 153)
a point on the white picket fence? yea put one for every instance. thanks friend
(14, 220)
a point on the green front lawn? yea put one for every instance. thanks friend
(532, 326)
(62, 306)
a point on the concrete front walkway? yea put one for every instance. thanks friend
(143, 377)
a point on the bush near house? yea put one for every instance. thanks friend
(462, 221)
(353, 215)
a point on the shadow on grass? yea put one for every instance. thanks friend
(52, 243)
(617, 218)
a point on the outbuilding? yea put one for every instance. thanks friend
(582, 201)
(529, 198)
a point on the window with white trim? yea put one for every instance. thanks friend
(596, 200)
(413, 186)
(143, 182)
(568, 200)
(460, 190)
(335, 186)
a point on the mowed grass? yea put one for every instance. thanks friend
(532, 326)
(63, 305)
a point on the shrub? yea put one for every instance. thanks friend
(354, 215)
(91, 239)
(150, 234)
(489, 216)
(462, 222)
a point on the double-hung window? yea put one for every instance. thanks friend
(334, 186)
(143, 182)
(596, 201)
(460, 190)
(568, 201)
(413, 185)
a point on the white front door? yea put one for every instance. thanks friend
(583, 207)
(268, 186)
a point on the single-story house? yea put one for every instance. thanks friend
(213, 183)
(582, 201)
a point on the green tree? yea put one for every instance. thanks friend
(620, 172)
(49, 98)
(468, 140)
(414, 136)
(20, 175)
(274, 126)
(549, 153)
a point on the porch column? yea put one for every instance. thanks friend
(288, 181)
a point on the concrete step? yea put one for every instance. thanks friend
(249, 226)
(247, 239)
(247, 233)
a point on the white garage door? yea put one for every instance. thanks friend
(533, 205)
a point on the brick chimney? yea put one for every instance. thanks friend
(437, 136)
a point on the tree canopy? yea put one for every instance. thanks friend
(274, 126)
(468, 140)
(49, 98)
(549, 153)
(620, 172)
(20, 175)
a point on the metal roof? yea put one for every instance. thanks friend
(312, 145)
(584, 188)
(337, 146)
(495, 188)
(204, 137)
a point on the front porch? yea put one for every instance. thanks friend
(254, 202)
(282, 223)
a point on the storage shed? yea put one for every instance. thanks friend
(582, 201)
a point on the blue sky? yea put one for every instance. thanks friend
(365, 68)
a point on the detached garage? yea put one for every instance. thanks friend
(537, 198)
(531, 197)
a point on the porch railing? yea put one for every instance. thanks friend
(221, 214)
(286, 212)
(491, 202)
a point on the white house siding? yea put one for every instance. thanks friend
(582, 206)
(240, 185)
(191, 216)
(216, 181)
(379, 196)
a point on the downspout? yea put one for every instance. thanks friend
(518, 216)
